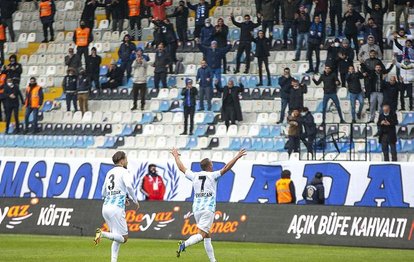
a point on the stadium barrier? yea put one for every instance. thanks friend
(325, 225)
(346, 183)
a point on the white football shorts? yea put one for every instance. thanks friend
(204, 220)
(115, 219)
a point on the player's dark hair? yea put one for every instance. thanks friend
(286, 173)
(118, 156)
(204, 164)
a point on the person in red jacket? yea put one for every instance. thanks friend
(158, 9)
(152, 185)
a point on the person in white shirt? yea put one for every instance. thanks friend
(204, 203)
(117, 191)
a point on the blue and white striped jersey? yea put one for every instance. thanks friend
(205, 188)
(117, 186)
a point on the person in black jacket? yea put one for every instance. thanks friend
(220, 36)
(308, 133)
(73, 60)
(245, 43)
(12, 95)
(391, 90)
(302, 24)
(335, 11)
(171, 42)
(316, 38)
(7, 9)
(296, 95)
(118, 11)
(14, 70)
(263, 45)
(125, 52)
(314, 193)
(332, 55)
(93, 65)
(387, 123)
(345, 59)
(231, 109)
(352, 20)
(377, 13)
(69, 84)
(202, 11)
(114, 76)
(88, 13)
(161, 64)
(83, 90)
(355, 91)
(285, 82)
(181, 24)
(189, 94)
(330, 83)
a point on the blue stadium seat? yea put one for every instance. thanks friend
(235, 34)
(398, 145)
(277, 33)
(58, 141)
(253, 81)
(268, 144)
(127, 131)
(164, 106)
(208, 118)
(191, 143)
(172, 81)
(247, 144)
(47, 106)
(223, 81)
(89, 141)
(103, 70)
(150, 82)
(373, 145)
(200, 130)
(216, 106)
(20, 140)
(408, 146)
(235, 144)
(38, 141)
(79, 142)
(243, 80)
(264, 131)
(275, 81)
(279, 145)
(109, 142)
(275, 131)
(408, 119)
(257, 144)
(319, 107)
(68, 141)
(147, 118)
(48, 143)
(28, 141)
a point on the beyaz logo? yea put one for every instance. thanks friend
(223, 224)
(14, 215)
(54, 216)
(140, 222)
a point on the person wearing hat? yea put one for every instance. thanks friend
(314, 193)
(69, 84)
(13, 96)
(93, 65)
(139, 74)
(114, 76)
(83, 89)
(189, 94)
(207, 33)
(152, 185)
(33, 101)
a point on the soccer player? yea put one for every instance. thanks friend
(204, 204)
(117, 190)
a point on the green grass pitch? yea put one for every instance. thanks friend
(33, 248)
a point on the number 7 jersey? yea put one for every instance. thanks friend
(205, 188)
(117, 186)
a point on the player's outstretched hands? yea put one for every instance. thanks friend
(241, 153)
(175, 152)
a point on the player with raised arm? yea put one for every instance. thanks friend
(204, 203)
(117, 190)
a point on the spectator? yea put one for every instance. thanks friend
(335, 11)
(290, 8)
(332, 56)
(407, 79)
(285, 189)
(134, 15)
(47, 10)
(371, 29)
(161, 63)
(7, 9)
(114, 77)
(387, 122)
(152, 185)
(285, 82)
(73, 60)
(213, 57)
(70, 85)
(125, 54)
(357, 4)
(118, 9)
(308, 134)
(12, 94)
(302, 24)
(296, 95)
(314, 193)
(171, 41)
(231, 109)
(401, 8)
(202, 11)
(84, 87)
(82, 38)
(220, 36)
(375, 87)
(377, 13)
(355, 91)
(33, 101)
(158, 9)
(406, 51)
(294, 130)
(365, 50)
(391, 91)
(14, 70)
(108, 9)
(88, 13)
(189, 94)
(139, 87)
(203, 78)
(352, 21)
(207, 33)
(181, 23)
(245, 43)
(316, 38)
(330, 82)
(93, 66)
(2, 41)
(344, 63)
(321, 10)
(3, 79)
(268, 11)
(263, 45)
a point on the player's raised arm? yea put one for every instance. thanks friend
(176, 156)
(230, 164)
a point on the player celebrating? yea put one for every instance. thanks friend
(117, 190)
(204, 203)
